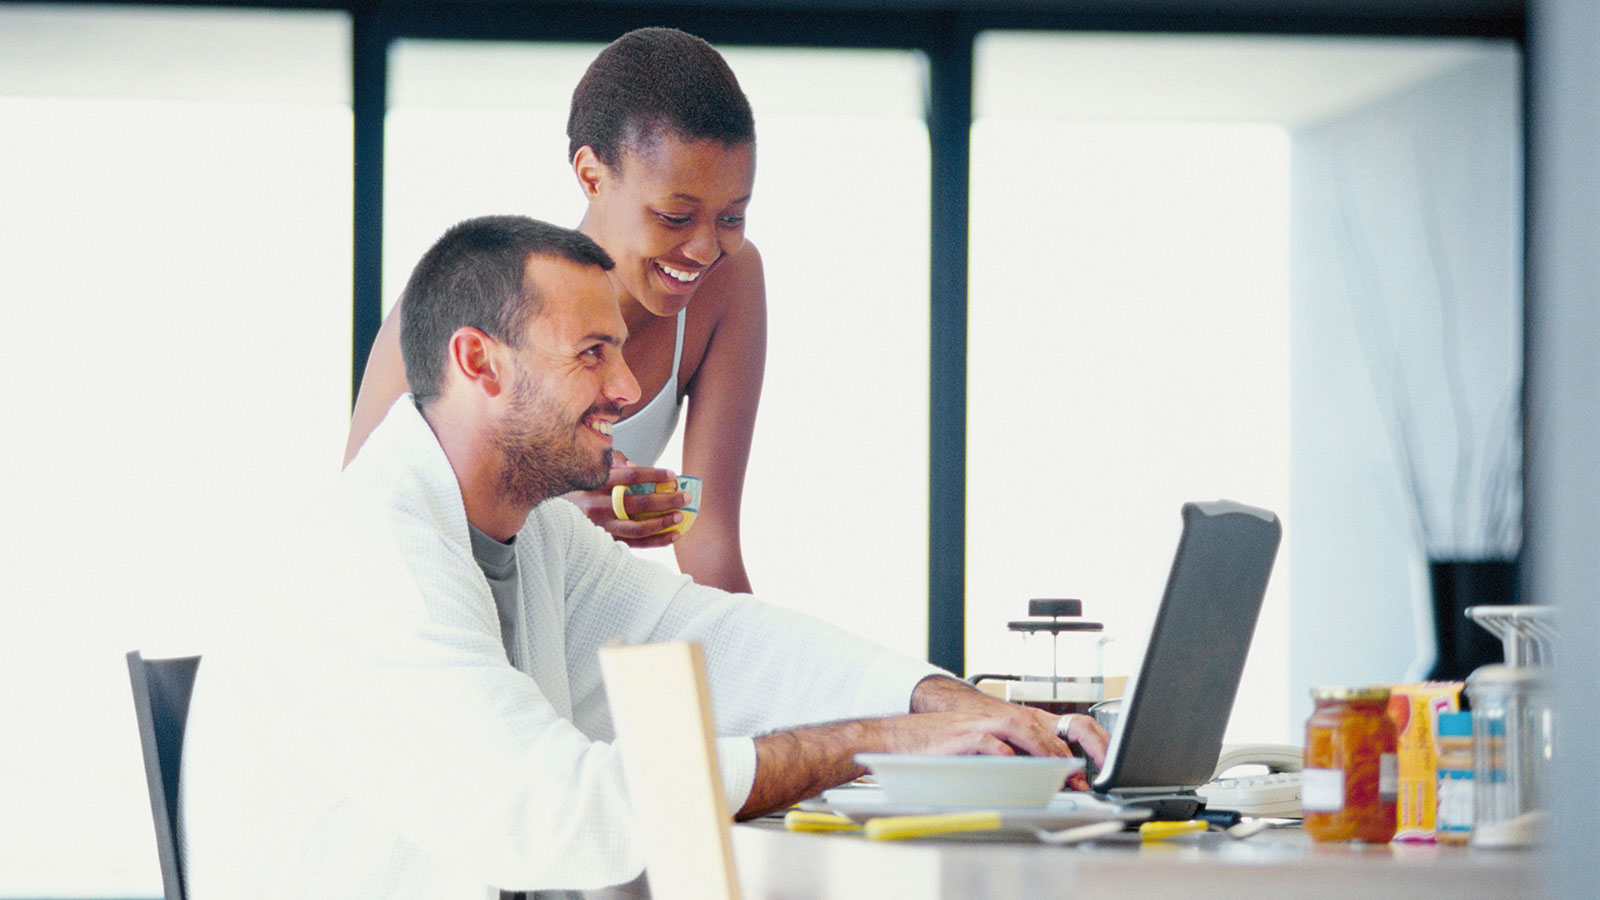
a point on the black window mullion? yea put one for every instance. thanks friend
(369, 76)
(949, 141)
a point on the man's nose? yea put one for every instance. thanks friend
(620, 386)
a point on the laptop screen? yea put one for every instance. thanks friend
(1177, 704)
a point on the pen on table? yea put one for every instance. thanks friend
(801, 820)
(1160, 831)
(892, 828)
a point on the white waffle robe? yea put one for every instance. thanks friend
(368, 737)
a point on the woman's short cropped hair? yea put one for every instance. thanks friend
(654, 81)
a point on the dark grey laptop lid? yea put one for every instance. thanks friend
(1177, 704)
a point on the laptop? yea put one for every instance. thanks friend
(1177, 704)
(1169, 735)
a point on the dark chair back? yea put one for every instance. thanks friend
(161, 690)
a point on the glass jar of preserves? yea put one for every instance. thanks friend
(1351, 778)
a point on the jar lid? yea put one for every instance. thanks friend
(1341, 692)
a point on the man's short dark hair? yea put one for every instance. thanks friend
(474, 276)
(654, 81)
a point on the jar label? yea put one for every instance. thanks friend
(1321, 790)
(1388, 777)
(1455, 802)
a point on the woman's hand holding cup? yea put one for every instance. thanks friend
(643, 502)
(647, 518)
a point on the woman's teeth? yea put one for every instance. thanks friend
(678, 274)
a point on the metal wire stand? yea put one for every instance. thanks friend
(1528, 633)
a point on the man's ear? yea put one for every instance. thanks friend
(590, 171)
(476, 357)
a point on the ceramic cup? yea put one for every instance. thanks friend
(689, 484)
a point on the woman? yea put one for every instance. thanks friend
(662, 142)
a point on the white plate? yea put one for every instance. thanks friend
(862, 802)
(974, 781)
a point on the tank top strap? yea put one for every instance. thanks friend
(677, 354)
(644, 435)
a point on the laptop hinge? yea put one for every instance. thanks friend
(1163, 803)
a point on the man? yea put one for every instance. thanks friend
(423, 717)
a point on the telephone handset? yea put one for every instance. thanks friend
(1276, 757)
(1274, 793)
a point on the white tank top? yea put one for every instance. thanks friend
(643, 436)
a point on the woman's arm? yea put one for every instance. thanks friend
(724, 391)
(383, 380)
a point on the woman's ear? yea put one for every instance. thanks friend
(590, 171)
(475, 359)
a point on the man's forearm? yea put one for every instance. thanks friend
(794, 765)
(948, 716)
(942, 693)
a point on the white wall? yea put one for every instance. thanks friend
(174, 289)
(1372, 329)
(1564, 405)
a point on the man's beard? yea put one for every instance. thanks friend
(540, 451)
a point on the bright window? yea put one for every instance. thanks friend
(1238, 267)
(176, 291)
(1127, 351)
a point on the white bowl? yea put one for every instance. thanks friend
(981, 781)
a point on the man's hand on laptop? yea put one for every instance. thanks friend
(948, 717)
(1022, 729)
(1087, 734)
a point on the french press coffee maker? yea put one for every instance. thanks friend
(1061, 659)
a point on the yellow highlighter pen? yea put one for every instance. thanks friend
(895, 828)
(1160, 831)
(800, 820)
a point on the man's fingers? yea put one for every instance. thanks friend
(987, 744)
(1016, 734)
(1086, 733)
(1028, 734)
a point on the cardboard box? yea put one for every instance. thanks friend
(1414, 709)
